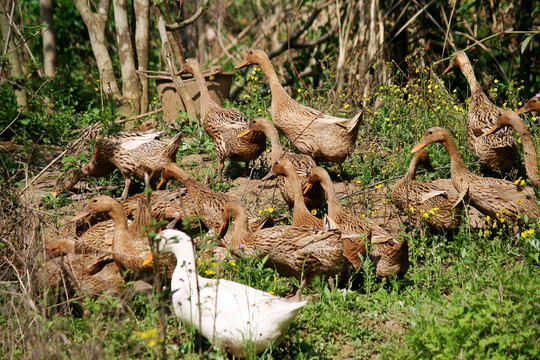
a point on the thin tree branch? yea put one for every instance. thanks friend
(200, 10)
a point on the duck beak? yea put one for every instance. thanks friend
(243, 133)
(222, 230)
(148, 260)
(161, 183)
(418, 146)
(241, 65)
(307, 188)
(268, 176)
(84, 213)
(448, 69)
(492, 130)
(522, 110)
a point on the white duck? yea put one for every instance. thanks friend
(237, 318)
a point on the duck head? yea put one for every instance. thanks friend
(507, 118)
(254, 56)
(256, 125)
(432, 135)
(190, 65)
(421, 157)
(97, 205)
(460, 60)
(532, 105)
(172, 171)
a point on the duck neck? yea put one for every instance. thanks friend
(459, 173)
(240, 234)
(529, 151)
(272, 134)
(277, 90)
(411, 171)
(185, 270)
(121, 239)
(206, 101)
(179, 174)
(334, 209)
(300, 210)
(468, 72)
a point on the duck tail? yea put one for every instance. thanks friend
(174, 144)
(355, 122)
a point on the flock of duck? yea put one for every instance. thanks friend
(238, 318)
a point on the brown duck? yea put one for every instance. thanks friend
(84, 273)
(295, 251)
(532, 105)
(134, 154)
(98, 238)
(510, 118)
(128, 251)
(206, 203)
(430, 202)
(314, 198)
(497, 152)
(388, 255)
(223, 125)
(489, 195)
(323, 137)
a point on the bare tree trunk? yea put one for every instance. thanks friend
(142, 20)
(96, 22)
(177, 80)
(130, 80)
(49, 38)
(8, 47)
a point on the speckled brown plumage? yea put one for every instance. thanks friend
(510, 118)
(498, 152)
(223, 125)
(99, 237)
(489, 195)
(314, 198)
(166, 204)
(301, 215)
(128, 250)
(84, 273)
(323, 137)
(295, 251)
(206, 203)
(134, 154)
(440, 208)
(389, 256)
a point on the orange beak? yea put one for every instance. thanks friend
(180, 72)
(222, 230)
(161, 183)
(307, 188)
(241, 65)
(521, 110)
(448, 69)
(243, 133)
(148, 260)
(418, 146)
(268, 176)
(492, 130)
(84, 213)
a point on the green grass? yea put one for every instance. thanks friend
(471, 295)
